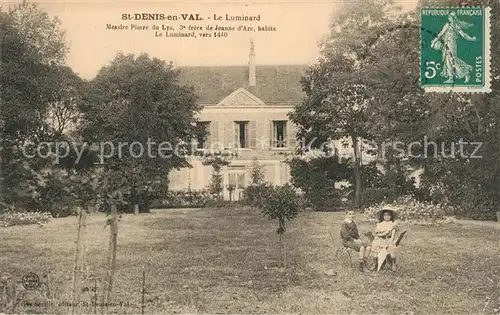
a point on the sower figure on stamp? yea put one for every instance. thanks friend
(446, 41)
(350, 238)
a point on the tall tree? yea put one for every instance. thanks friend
(32, 49)
(337, 99)
(437, 123)
(139, 100)
(41, 33)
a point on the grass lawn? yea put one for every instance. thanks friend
(226, 261)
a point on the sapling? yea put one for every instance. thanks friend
(282, 204)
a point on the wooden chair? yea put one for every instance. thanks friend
(387, 262)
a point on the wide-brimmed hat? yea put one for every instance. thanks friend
(391, 209)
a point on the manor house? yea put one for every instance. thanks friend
(244, 111)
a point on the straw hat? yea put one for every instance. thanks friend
(392, 210)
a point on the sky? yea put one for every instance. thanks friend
(300, 25)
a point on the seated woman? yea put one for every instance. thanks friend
(350, 238)
(385, 232)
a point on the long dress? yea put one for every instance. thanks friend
(453, 67)
(382, 239)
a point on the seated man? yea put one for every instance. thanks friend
(350, 238)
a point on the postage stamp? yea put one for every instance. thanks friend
(455, 49)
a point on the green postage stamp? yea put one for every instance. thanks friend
(455, 49)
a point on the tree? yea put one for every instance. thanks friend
(283, 205)
(85, 194)
(317, 175)
(62, 115)
(256, 172)
(256, 193)
(33, 49)
(336, 97)
(217, 161)
(137, 102)
(401, 112)
(42, 34)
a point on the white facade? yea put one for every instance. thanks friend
(245, 112)
(244, 125)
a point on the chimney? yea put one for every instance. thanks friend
(251, 65)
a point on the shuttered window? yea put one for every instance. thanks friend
(228, 135)
(279, 131)
(241, 181)
(290, 135)
(214, 135)
(252, 134)
(245, 134)
(203, 141)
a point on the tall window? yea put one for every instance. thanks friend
(240, 181)
(202, 141)
(279, 134)
(237, 179)
(242, 133)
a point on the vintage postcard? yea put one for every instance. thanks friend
(249, 157)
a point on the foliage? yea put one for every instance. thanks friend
(257, 175)
(317, 176)
(373, 196)
(53, 194)
(385, 184)
(410, 209)
(255, 195)
(185, 199)
(217, 161)
(372, 176)
(42, 34)
(142, 92)
(215, 187)
(33, 49)
(144, 195)
(282, 204)
(337, 99)
(374, 47)
(436, 123)
(24, 218)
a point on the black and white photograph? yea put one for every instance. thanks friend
(250, 157)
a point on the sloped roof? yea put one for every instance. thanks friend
(275, 84)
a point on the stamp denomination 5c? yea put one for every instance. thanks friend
(455, 49)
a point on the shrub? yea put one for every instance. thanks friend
(316, 176)
(53, 194)
(217, 162)
(373, 196)
(469, 202)
(323, 197)
(412, 210)
(282, 204)
(186, 199)
(256, 172)
(255, 195)
(24, 218)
